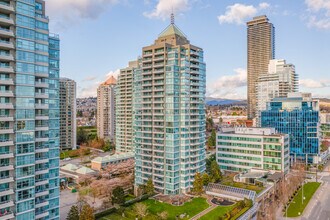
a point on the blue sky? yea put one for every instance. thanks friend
(98, 37)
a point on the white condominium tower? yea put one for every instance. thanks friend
(169, 113)
(106, 109)
(68, 111)
(280, 80)
(124, 114)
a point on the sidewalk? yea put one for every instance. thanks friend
(212, 206)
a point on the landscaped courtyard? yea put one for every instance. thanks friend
(190, 209)
(228, 181)
(297, 207)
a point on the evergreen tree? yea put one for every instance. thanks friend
(73, 213)
(150, 189)
(215, 172)
(198, 184)
(206, 179)
(118, 195)
(87, 213)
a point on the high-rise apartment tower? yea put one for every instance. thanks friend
(169, 113)
(124, 113)
(29, 112)
(68, 111)
(106, 101)
(261, 49)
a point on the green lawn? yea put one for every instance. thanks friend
(296, 206)
(190, 208)
(228, 181)
(216, 213)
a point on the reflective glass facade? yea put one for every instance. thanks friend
(29, 134)
(300, 119)
(169, 113)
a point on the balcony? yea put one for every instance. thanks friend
(6, 81)
(6, 204)
(41, 106)
(6, 7)
(45, 75)
(6, 68)
(42, 84)
(5, 192)
(41, 214)
(42, 128)
(5, 167)
(6, 56)
(6, 130)
(42, 171)
(6, 20)
(42, 160)
(42, 117)
(6, 44)
(6, 32)
(6, 143)
(6, 155)
(42, 150)
(6, 93)
(42, 139)
(6, 179)
(7, 215)
(42, 203)
(41, 182)
(41, 95)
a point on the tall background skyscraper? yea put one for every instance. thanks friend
(68, 112)
(169, 113)
(261, 49)
(29, 108)
(106, 101)
(124, 113)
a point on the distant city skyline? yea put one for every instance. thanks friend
(101, 40)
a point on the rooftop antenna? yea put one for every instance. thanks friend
(172, 17)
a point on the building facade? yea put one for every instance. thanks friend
(298, 116)
(242, 149)
(106, 99)
(68, 114)
(261, 49)
(29, 106)
(325, 125)
(280, 80)
(124, 104)
(169, 113)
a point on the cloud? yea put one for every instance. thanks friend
(113, 73)
(164, 8)
(312, 84)
(318, 14)
(239, 13)
(64, 13)
(230, 86)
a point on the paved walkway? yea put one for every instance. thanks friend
(212, 206)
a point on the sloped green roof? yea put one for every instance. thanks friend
(172, 29)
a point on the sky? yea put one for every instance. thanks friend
(99, 37)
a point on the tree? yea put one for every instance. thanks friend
(73, 213)
(118, 195)
(209, 124)
(198, 184)
(81, 136)
(206, 179)
(140, 209)
(108, 146)
(87, 213)
(211, 142)
(215, 172)
(150, 189)
(163, 215)
(208, 163)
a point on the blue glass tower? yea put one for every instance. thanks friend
(29, 117)
(298, 116)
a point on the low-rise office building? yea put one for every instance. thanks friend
(100, 162)
(242, 149)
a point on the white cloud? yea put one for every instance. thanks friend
(310, 83)
(64, 13)
(230, 86)
(113, 73)
(319, 14)
(164, 8)
(239, 13)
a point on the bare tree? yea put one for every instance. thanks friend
(140, 209)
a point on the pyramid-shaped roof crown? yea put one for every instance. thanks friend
(172, 29)
(110, 81)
